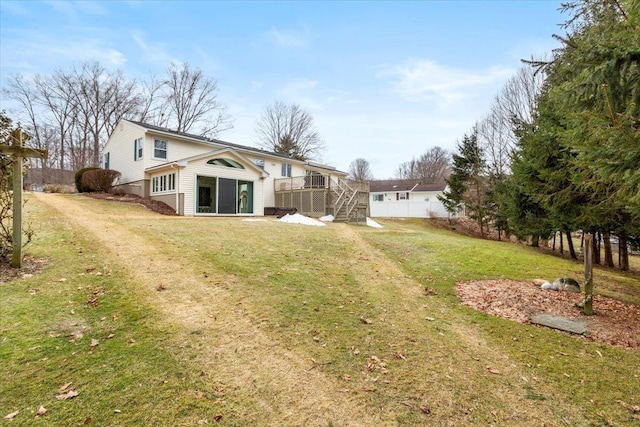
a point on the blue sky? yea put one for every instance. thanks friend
(383, 80)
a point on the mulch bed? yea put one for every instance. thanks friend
(30, 266)
(614, 322)
(153, 205)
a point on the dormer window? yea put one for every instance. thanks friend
(226, 163)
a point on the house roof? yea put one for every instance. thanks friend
(403, 185)
(225, 150)
(211, 141)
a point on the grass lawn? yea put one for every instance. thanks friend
(219, 321)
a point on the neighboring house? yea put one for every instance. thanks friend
(406, 198)
(201, 176)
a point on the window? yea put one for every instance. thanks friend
(163, 183)
(402, 196)
(286, 170)
(260, 163)
(378, 197)
(223, 196)
(106, 160)
(226, 163)
(160, 149)
(137, 149)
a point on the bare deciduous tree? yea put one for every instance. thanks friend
(288, 129)
(432, 167)
(191, 103)
(26, 95)
(71, 112)
(101, 98)
(514, 104)
(360, 170)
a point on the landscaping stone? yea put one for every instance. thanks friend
(567, 284)
(560, 323)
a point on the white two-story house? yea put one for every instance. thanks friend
(201, 176)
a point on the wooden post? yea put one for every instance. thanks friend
(16, 260)
(18, 152)
(588, 275)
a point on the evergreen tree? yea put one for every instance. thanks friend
(593, 95)
(468, 182)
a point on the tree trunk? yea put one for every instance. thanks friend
(588, 278)
(595, 248)
(561, 245)
(554, 242)
(622, 251)
(608, 254)
(535, 241)
(572, 250)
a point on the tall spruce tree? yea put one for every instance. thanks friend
(468, 182)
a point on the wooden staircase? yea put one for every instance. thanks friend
(350, 203)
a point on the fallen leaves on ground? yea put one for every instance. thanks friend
(614, 322)
(67, 392)
(41, 411)
(30, 267)
(152, 205)
(632, 408)
(11, 415)
(365, 321)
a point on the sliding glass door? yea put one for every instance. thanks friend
(223, 196)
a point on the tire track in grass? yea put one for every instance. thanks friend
(454, 357)
(218, 337)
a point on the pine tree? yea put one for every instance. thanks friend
(468, 182)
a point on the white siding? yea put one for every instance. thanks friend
(274, 167)
(420, 205)
(120, 148)
(176, 149)
(188, 176)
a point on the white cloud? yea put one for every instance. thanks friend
(75, 10)
(303, 92)
(153, 52)
(426, 80)
(14, 8)
(36, 52)
(287, 38)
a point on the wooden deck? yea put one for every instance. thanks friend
(319, 195)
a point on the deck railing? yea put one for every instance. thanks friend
(318, 195)
(300, 182)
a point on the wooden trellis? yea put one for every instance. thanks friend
(19, 153)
